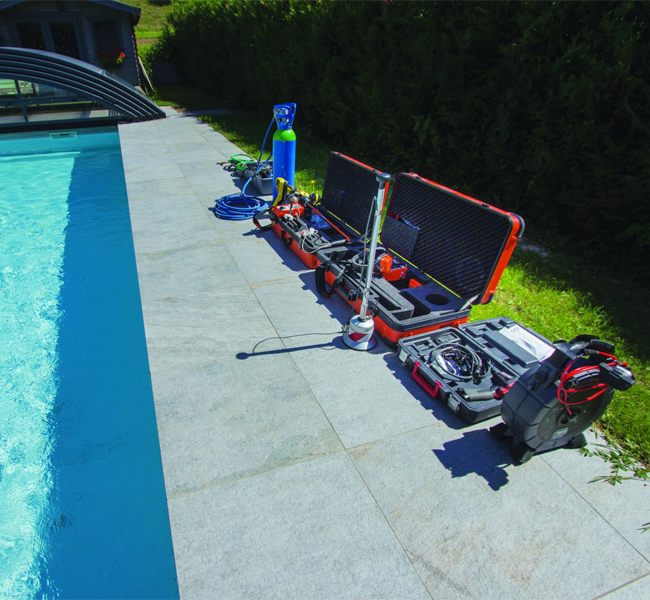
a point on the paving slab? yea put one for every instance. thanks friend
(139, 161)
(637, 590)
(189, 143)
(159, 234)
(207, 322)
(224, 419)
(310, 313)
(154, 170)
(164, 207)
(132, 151)
(475, 526)
(625, 506)
(264, 258)
(366, 395)
(149, 133)
(230, 231)
(158, 189)
(307, 531)
(199, 154)
(190, 270)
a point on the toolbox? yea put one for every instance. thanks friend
(341, 216)
(441, 252)
(471, 367)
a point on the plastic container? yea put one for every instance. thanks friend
(263, 185)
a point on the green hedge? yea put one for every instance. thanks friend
(541, 108)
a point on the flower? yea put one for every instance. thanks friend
(110, 58)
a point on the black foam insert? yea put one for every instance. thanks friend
(399, 237)
(460, 240)
(349, 190)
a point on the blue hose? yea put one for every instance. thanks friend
(259, 160)
(238, 207)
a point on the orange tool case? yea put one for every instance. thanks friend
(340, 218)
(440, 253)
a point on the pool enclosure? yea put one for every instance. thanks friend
(39, 88)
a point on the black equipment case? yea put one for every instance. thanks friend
(471, 367)
(342, 213)
(442, 252)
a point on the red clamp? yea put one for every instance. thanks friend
(501, 392)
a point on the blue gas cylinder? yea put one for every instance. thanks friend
(284, 145)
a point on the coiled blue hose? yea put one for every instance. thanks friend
(238, 207)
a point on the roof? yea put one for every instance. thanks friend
(127, 8)
(80, 78)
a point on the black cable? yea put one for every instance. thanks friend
(459, 363)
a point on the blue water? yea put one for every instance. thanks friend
(83, 512)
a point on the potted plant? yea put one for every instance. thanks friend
(110, 59)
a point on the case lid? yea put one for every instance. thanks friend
(349, 189)
(462, 243)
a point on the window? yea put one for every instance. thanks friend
(106, 36)
(54, 34)
(64, 38)
(30, 34)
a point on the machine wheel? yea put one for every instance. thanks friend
(579, 441)
(551, 424)
(522, 453)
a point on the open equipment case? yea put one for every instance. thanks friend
(440, 253)
(339, 218)
(471, 367)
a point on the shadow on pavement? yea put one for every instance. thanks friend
(476, 452)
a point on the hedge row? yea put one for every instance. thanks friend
(541, 108)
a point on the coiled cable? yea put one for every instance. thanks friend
(459, 363)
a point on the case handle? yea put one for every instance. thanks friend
(428, 388)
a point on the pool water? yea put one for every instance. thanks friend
(83, 511)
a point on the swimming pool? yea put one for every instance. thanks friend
(83, 511)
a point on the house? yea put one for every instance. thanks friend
(94, 31)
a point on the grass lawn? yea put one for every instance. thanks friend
(180, 96)
(556, 295)
(152, 14)
(152, 20)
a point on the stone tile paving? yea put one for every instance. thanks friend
(296, 468)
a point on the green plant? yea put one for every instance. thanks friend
(110, 59)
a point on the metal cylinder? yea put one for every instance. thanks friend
(284, 146)
(378, 205)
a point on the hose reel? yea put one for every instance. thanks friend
(554, 402)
